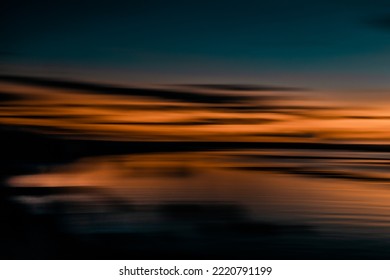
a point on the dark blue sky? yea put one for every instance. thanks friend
(320, 44)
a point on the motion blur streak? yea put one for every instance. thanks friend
(161, 172)
(250, 116)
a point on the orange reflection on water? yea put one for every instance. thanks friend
(350, 205)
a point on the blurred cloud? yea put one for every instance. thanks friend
(237, 87)
(195, 97)
(5, 97)
(380, 22)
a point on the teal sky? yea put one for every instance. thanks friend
(319, 44)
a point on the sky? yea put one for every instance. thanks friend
(317, 44)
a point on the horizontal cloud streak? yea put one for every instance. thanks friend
(96, 88)
(237, 87)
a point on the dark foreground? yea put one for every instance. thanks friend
(40, 222)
